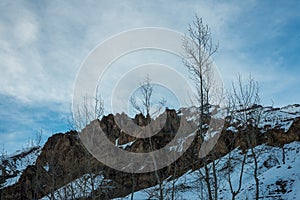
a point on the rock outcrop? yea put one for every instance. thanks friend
(64, 159)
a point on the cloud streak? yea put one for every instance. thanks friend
(42, 45)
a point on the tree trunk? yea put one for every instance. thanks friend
(255, 174)
(215, 180)
(207, 181)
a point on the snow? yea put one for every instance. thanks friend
(278, 180)
(46, 167)
(81, 187)
(221, 113)
(232, 129)
(292, 109)
(173, 148)
(211, 134)
(11, 181)
(191, 118)
(192, 113)
(280, 118)
(180, 142)
(123, 146)
(17, 162)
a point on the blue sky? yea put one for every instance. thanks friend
(43, 44)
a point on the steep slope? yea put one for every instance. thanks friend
(63, 169)
(278, 179)
(12, 166)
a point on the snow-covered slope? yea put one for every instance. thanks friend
(278, 179)
(281, 118)
(278, 168)
(12, 166)
(79, 188)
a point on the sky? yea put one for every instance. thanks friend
(44, 43)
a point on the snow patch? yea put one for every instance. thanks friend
(123, 146)
(17, 162)
(46, 167)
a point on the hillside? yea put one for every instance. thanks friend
(278, 180)
(63, 169)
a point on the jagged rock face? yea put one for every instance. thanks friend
(63, 157)
(7, 167)
(61, 160)
(294, 132)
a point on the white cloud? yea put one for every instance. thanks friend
(25, 31)
(44, 45)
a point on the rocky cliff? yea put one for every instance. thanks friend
(63, 164)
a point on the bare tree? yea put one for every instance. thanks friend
(38, 138)
(174, 189)
(243, 105)
(143, 105)
(90, 109)
(144, 102)
(199, 49)
(230, 166)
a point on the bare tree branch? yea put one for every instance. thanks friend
(199, 49)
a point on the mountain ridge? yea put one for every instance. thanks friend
(63, 159)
